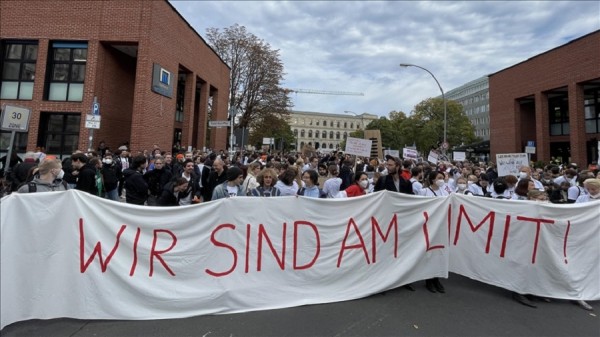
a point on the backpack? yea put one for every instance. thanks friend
(33, 186)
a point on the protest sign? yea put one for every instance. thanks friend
(510, 163)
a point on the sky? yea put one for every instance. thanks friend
(357, 46)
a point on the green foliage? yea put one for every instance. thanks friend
(271, 126)
(425, 126)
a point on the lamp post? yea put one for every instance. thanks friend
(405, 65)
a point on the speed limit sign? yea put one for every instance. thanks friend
(15, 118)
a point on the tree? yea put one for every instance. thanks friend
(271, 126)
(256, 73)
(425, 127)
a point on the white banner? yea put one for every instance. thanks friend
(70, 254)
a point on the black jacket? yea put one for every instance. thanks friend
(136, 188)
(157, 180)
(167, 196)
(387, 183)
(86, 179)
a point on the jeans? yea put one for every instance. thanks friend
(112, 195)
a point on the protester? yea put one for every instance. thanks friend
(136, 188)
(286, 182)
(250, 182)
(359, 186)
(110, 174)
(48, 179)
(86, 177)
(232, 187)
(157, 179)
(310, 189)
(266, 180)
(172, 192)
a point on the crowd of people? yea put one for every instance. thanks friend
(163, 178)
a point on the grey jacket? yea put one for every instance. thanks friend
(42, 186)
(220, 192)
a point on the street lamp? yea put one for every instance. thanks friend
(357, 115)
(445, 144)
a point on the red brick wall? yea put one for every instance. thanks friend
(130, 110)
(564, 67)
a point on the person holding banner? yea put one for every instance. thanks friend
(393, 181)
(136, 188)
(232, 187)
(266, 180)
(359, 186)
(415, 179)
(49, 178)
(311, 189)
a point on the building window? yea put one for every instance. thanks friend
(302, 133)
(296, 133)
(310, 133)
(345, 125)
(337, 135)
(345, 135)
(591, 108)
(316, 133)
(330, 123)
(317, 122)
(180, 97)
(324, 134)
(330, 134)
(331, 146)
(338, 124)
(67, 63)
(59, 133)
(324, 123)
(352, 125)
(558, 108)
(18, 70)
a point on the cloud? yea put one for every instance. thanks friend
(358, 45)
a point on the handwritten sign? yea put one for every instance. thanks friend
(510, 163)
(358, 147)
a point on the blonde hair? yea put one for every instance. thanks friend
(592, 182)
(48, 164)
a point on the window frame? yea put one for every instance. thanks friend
(22, 61)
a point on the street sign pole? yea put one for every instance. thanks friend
(9, 154)
(14, 118)
(95, 112)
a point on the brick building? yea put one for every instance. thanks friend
(156, 80)
(552, 99)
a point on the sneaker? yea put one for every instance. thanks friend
(583, 305)
(523, 300)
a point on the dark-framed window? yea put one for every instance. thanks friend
(302, 133)
(324, 134)
(66, 71)
(18, 69)
(591, 108)
(558, 109)
(337, 135)
(180, 98)
(310, 133)
(330, 134)
(59, 132)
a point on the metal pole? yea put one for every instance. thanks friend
(91, 144)
(9, 154)
(404, 65)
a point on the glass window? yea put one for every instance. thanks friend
(591, 109)
(18, 69)
(558, 108)
(68, 66)
(324, 134)
(59, 133)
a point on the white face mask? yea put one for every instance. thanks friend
(364, 184)
(60, 174)
(470, 183)
(440, 182)
(462, 186)
(522, 175)
(107, 161)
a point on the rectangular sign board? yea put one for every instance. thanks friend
(15, 118)
(510, 163)
(358, 147)
(92, 121)
(218, 124)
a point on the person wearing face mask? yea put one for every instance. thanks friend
(435, 187)
(525, 173)
(110, 172)
(461, 186)
(592, 186)
(359, 186)
(48, 178)
(473, 186)
(569, 175)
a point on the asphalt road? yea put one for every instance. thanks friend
(469, 308)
